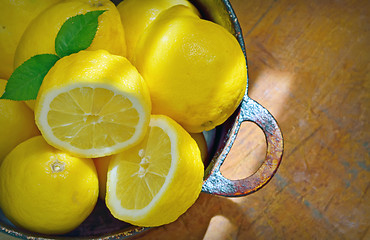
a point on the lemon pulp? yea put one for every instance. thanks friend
(142, 172)
(92, 113)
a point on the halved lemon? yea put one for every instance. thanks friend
(93, 104)
(157, 180)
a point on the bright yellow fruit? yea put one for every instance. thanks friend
(30, 104)
(93, 104)
(16, 123)
(157, 180)
(195, 70)
(14, 19)
(101, 165)
(136, 16)
(40, 35)
(45, 190)
(202, 144)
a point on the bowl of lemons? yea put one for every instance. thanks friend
(116, 115)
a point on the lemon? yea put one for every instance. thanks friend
(202, 144)
(101, 165)
(39, 37)
(157, 180)
(136, 16)
(93, 104)
(195, 70)
(14, 19)
(46, 190)
(16, 123)
(30, 104)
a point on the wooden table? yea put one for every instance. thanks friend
(309, 66)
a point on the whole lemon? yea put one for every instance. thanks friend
(14, 19)
(45, 190)
(39, 37)
(202, 144)
(195, 70)
(137, 15)
(102, 165)
(16, 123)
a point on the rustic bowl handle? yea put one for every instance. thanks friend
(217, 184)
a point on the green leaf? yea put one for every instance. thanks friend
(77, 33)
(25, 82)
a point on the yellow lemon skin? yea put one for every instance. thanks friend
(102, 165)
(202, 144)
(14, 19)
(157, 180)
(195, 70)
(137, 15)
(39, 37)
(45, 190)
(61, 107)
(16, 123)
(30, 104)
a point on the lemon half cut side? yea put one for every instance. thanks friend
(93, 104)
(157, 180)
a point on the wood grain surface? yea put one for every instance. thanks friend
(309, 64)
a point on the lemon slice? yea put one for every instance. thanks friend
(93, 104)
(157, 180)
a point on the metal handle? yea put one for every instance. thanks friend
(217, 184)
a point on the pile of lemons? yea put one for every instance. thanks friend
(117, 120)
